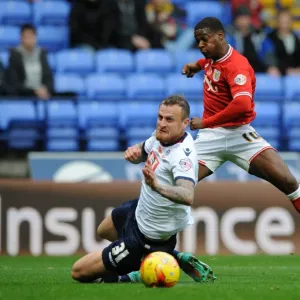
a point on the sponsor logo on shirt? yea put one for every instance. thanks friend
(240, 79)
(153, 159)
(185, 164)
(216, 75)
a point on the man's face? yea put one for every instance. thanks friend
(208, 42)
(170, 124)
(243, 22)
(284, 21)
(28, 39)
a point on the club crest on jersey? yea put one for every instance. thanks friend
(216, 75)
(185, 164)
(240, 79)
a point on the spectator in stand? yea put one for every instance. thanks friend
(28, 72)
(169, 21)
(252, 43)
(286, 44)
(132, 30)
(91, 24)
(255, 7)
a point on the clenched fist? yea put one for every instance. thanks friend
(133, 154)
(196, 123)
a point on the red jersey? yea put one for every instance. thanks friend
(224, 80)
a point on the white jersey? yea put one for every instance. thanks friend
(157, 217)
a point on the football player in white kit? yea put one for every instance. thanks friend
(151, 223)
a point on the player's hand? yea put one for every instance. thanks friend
(187, 70)
(150, 177)
(196, 123)
(133, 154)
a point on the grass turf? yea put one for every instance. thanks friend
(252, 277)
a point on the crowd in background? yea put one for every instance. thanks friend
(140, 24)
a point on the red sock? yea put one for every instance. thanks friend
(296, 204)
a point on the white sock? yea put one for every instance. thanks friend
(295, 195)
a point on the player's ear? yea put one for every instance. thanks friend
(221, 35)
(186, 122)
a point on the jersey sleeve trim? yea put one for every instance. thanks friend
(144, 152)
(242, 94)
(185, 178)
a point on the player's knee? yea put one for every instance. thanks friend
(78, 272)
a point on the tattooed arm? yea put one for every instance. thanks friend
(182, 193)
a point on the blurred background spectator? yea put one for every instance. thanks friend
(252, 42)
(286, 44)
(28, 72)
(168, 20)
(91, 24)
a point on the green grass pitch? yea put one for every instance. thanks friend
(255, 277)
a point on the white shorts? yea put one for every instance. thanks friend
(239, 145)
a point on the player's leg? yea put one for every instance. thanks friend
(89, 268)
(270, 166)
(256, 156)
(107, 230)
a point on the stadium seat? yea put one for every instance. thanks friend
(96, 114)
(53, 38)
(198, 10)
(62, 131)
(4, 58)
(69, 83)
(102, 145)
(146, 87)
(153, 61)
(138, 114)
(99, 123)
(15, 13)
(62, 145)
(9, 37)
(51, 12)
(292, 88)
(18, 120)
(184, 57)
(79, 61)
(268, 88)
(138, 134)
(113, 60)
(192, 89)
(267, 114)
(106, 87)
(52, 60)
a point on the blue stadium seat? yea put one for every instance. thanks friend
(62, 145)
(198, 10)
(268, 88)
(291, 121)
(99, 123)
(102, 145)
(138, 114)
(51, 12)
(113, 60)
(62, 121)
(4, 58)
(71, 60)
(138, 133)
(185, 57)
(192, 89)
(292, 88)
(146, 87)
(11, 110)
(15, 13)
(9, 37)
(64, 83)
(52, 60)
(18, 120)
(106, 86)
(267, 114)
(53, 38)
(155, 60)
(92, 114)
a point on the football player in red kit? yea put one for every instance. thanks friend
(225, 132)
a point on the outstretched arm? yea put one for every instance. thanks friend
(182, 193)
